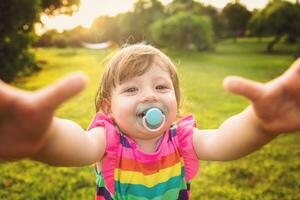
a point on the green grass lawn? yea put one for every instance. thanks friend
(271, 173)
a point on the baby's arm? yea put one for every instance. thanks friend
(274, 109)
(28, 128)
(236, 137)
(69, 145)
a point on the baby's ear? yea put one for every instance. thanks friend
(106, 107)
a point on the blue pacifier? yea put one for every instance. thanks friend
(154, 119)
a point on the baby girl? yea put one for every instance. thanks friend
(140, 147)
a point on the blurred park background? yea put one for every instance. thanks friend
(43, 40)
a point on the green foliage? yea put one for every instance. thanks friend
(256, 25)
(218, 21)
(16, 33)
(277, 19)
(105, 28)
(46, 39)
(177, 6)
(282, 17)
(17, 18)
(182, 30)
(68, 38)
(58, 6)
(197, 8)
(237, 17)
(125, 28)
(147, 12)
(128, 32)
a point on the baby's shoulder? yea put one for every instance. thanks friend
(101, 120)
(184, 126)
(184, 130)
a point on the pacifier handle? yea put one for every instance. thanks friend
(154, 130)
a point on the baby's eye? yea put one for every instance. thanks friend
(130, 90)
(161, 87)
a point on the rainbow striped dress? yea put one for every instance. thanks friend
(131, 174)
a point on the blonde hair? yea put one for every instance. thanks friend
(129, 62)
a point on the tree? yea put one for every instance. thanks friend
(46, 39)
(134, 26)
(177, 6)
(147, 12)
(51, 7)
(237, 17)
(197, 8)
(217, 20)
(255, 26)
(105, 28)
(277, 19)
(17, 18)
(128, 31)
(183, 30)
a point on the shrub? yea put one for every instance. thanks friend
(184, 30)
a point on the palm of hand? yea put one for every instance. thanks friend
(276, 103)
(25, 117)
(23, 126)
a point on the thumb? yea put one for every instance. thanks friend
(55, 94)
(244, 87)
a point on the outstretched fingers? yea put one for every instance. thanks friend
(244, 87)
(62, 90)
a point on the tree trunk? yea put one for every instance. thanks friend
(270, 47)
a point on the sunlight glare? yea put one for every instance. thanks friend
(91, 9)
(88, 11)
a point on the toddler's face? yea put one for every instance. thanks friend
(129, 99)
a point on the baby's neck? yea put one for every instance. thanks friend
(148, 145)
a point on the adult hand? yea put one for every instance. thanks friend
(26, 116)
(276, 104)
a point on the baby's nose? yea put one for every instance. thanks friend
(149, 97)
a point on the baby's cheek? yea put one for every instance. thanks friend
(124, 118)
(172, 114)
(171, 119)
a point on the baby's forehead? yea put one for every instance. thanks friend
(139, 68)
(155, 73)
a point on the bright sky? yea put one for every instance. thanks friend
(91, 9)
